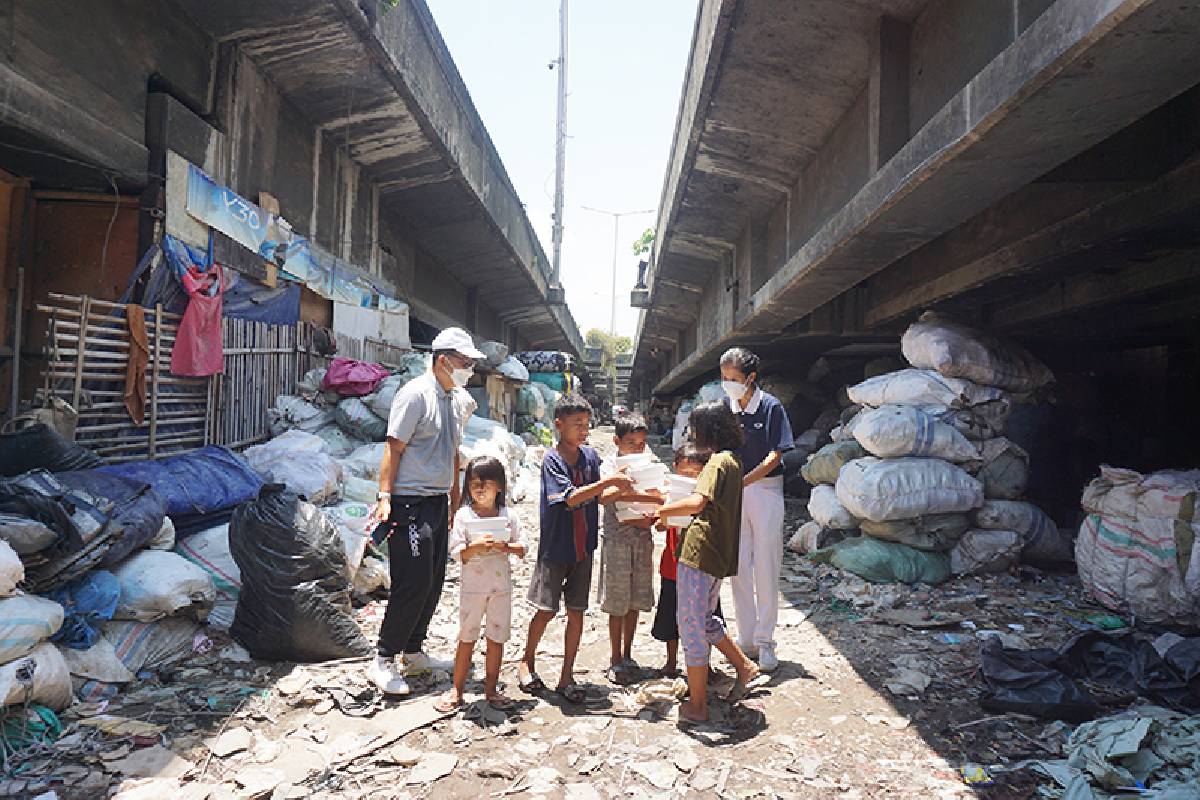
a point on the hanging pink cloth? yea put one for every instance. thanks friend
(198, 351)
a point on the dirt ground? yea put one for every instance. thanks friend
(847, 714)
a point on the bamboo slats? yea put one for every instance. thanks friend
(87, 349)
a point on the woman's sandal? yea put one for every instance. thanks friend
(741, 690)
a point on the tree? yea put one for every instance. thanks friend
(644, 242)
(610, 347)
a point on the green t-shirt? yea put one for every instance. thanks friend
(710, 543)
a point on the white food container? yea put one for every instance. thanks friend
(635, 460)
(496, 526)
(627, 512)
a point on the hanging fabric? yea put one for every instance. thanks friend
(135, 369)
(198, 351)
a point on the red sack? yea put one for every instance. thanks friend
(198, 351)
(351, 378)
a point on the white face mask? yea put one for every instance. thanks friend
(735, 389)
(459, 377)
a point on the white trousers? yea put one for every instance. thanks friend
(760, 558)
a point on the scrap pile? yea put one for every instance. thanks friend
(104, 597)
(551, 375)
(919, 481)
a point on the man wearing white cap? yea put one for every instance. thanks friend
(418, 487)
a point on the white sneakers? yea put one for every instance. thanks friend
(767, 660)
(386, 675)
(750, 650)
(419, 663)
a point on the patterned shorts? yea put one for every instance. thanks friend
(626, 574)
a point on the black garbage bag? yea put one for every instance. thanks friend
(136, 515)
(1028, 682)
(50, 510)
(1126, 662)
(41, 447)
(295, 598)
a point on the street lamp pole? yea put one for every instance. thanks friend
(616, 215)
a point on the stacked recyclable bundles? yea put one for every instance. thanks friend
(1137, 550)
(923, 470)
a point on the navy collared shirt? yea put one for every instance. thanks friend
(766, 426)
(568, 534)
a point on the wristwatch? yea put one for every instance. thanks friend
(383, 495)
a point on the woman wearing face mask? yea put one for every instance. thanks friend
(767, 436)
(418, 485)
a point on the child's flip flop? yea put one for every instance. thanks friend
(529, 683)
(572, 693)
(501, 703)
(446, 703)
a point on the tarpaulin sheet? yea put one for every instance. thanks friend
(204, 481)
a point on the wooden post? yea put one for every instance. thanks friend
(85, 308)
(154, 367)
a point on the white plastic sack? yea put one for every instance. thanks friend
(165, 538)
(811, 537)
(358, 490)
(151, 645)
(98, 663)
(316, 477)
(358, 420)
(291, 411)
(915, 387)
(39, 677)
(1041, 540)
(25, 536)
(309, 387)
(936, 533)
(292, 441)
(679, 433)
(495, 353)
(959, 351)
(1134, 567)
(893, 431)
(372, 575)
(881, 490)
(980, 552)
(12, 571)
(365, 462)
(26, 620)
(1004, 469)
(513, 369)
(827, 512)
(710, 392)
(551, 397)
(156, 584)
(1127, 494)
(338, 443)
(209, 550)
(381, 399)
(353, 522)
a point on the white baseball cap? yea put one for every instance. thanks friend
(459, 341)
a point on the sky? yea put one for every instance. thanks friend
(625, 66)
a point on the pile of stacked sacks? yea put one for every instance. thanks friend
(550, 375)
(105, 596)
(347, 404)
(920, 483)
